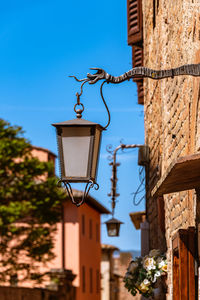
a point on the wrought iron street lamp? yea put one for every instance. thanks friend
(79, 139)
(113, 225)
(78, 145)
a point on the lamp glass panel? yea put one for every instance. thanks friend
(113, 229)
(76, 144)
(97, 140)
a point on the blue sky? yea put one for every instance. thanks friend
(42, 42)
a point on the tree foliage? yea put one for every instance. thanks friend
(30, 206)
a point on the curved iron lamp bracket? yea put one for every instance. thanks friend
(114, 165)
(142, 72)
(78, 95)
(190, 69)
(79, 202)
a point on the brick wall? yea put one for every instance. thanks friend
(172, 115)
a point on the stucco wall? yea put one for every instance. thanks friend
(105, 277)
(171, 109)
(90, 253)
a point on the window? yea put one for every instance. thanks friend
(97, 233)
(83, 225)
(155, 11)
(91, 280)
(14, 280)
(90, 229)
(97, 282)
(83, 279)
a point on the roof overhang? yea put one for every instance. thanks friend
(183, 174)
(106, 247)
(137, 218)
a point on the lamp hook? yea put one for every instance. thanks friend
(79, 111)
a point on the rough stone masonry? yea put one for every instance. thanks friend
(172, 114)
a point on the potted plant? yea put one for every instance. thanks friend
(144, 275)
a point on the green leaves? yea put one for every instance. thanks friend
(30, 205)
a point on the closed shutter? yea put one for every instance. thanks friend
(135, 39)
(137, 59)
(135, 26)
(140, 91)
(183, 245)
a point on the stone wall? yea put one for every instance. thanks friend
(172, 115)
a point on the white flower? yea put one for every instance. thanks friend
(156, 275)
(149, 263)
(146, 282)
(133, 265)
(143, 287)
(162, 265)
(154, 252)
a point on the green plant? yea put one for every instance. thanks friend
(30, 207)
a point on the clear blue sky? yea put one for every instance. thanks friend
(42, 42)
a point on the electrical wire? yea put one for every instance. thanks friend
(140, 188)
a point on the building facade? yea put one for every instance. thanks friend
(167, 35)
(82, 246)
(109, 277)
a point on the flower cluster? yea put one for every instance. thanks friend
(143, 273)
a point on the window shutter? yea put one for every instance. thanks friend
(183, 245)
(137, 56)
(137, 59)
(140, 91)
(135, 39)
(135, 26)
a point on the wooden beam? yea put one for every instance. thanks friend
(137, 218)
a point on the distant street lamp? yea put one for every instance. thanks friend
(79, 139)
(113, 225)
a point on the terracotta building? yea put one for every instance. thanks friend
(82, 247)
(78, 241)
(165, 34)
